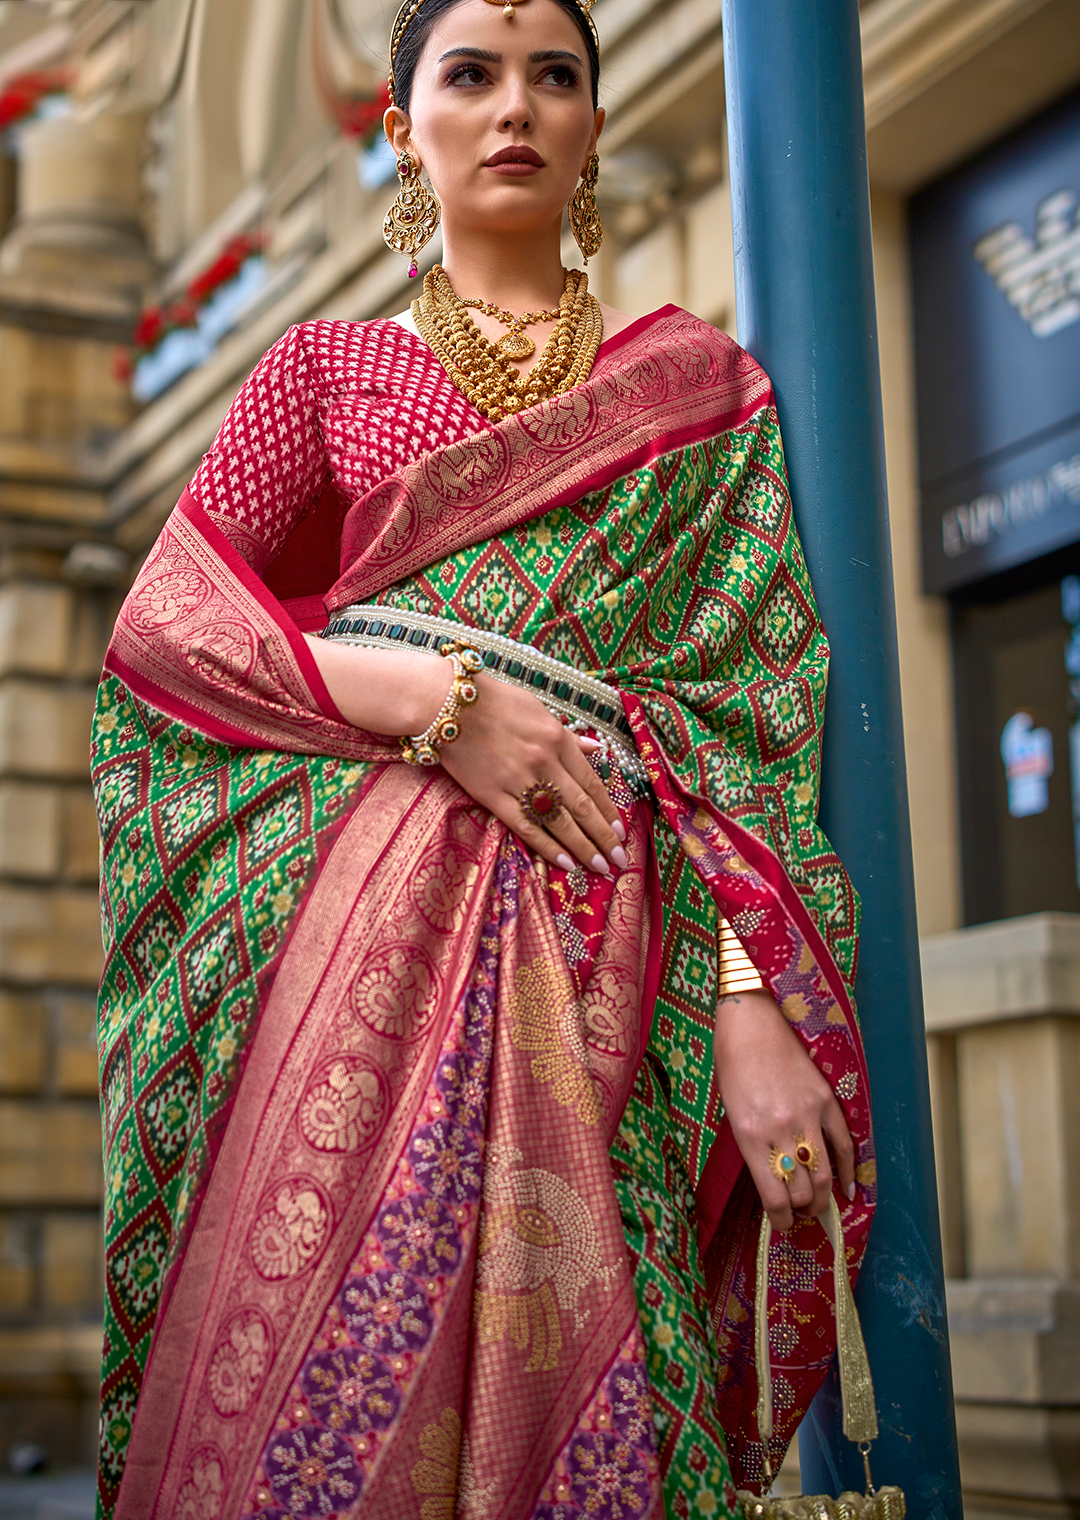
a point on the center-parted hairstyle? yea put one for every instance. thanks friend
(416, 18)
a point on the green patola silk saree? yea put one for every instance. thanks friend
(420, 1200)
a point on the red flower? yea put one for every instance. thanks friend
(24, 92)
(150, 327)
(360, 118)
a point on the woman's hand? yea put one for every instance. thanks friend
(508, 741)
(773, 1094)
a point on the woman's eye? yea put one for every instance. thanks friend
(563, 75)
(466, 73)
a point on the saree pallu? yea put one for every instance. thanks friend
(420, 1201)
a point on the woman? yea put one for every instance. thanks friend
(438, 1119)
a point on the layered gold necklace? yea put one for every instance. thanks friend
(483, 370)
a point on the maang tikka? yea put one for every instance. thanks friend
(414, 213)
(584, 215)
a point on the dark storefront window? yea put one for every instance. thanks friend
(996, 286)
(1016, 739)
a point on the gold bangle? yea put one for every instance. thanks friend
(423, 749)
(736, 972)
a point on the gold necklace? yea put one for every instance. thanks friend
(484, 372)
(516, 344)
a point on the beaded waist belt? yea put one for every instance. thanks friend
(564, 691)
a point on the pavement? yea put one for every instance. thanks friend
(48, 1496)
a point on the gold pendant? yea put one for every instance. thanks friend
(516, 344)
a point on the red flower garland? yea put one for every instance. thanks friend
(157, 322)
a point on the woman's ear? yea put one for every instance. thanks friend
(598, 127)
(397, 127)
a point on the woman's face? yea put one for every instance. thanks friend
(501, 114)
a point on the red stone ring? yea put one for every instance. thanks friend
(542, 803)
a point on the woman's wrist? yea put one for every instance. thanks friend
(387, 692)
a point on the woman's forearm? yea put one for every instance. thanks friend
(385, 691)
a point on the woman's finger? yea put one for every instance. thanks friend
(801, 1187)
(817, 1182)
(594, 811)
(538, 840)
(575, 841)
(843, 1147)
(775, 1196)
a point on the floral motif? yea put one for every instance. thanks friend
(350, 1389)
(462, 1081)
(387, 1311)
(313, 1472)
(608, 1478)
(437, 1472)
(446, 1160)
(547, 1020)
(447, 1475)
(631, 1403)
(419, 1233)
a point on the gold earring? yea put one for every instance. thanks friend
(585, 221)
(414, 213)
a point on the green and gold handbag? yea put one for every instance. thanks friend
(856, 1392)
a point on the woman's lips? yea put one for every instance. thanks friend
(517, 162)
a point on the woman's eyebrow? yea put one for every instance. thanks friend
(554, 55)
(469, 52)
(483, 56)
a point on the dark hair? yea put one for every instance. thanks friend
(419, 29)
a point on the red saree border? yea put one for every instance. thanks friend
(636, 328)
(201, 639)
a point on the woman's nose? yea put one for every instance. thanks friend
(515, 106)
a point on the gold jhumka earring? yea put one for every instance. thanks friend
(584, 215)
(414, 214)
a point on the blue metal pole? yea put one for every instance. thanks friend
(805, 291)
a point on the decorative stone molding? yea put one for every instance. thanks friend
(1019, 968)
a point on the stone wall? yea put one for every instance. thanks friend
(51, 642)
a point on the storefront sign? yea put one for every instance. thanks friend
(996, 280)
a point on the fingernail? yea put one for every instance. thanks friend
(588, 745)
(850, 1191)
(618, 855)
(619, 831)
(564, 863)
(601, 865)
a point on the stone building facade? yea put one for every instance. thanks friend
(168, 132)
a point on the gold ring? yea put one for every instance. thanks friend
(807, 1153)
(542, 803)
(781, 1165)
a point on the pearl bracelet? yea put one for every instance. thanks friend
(423, 749)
